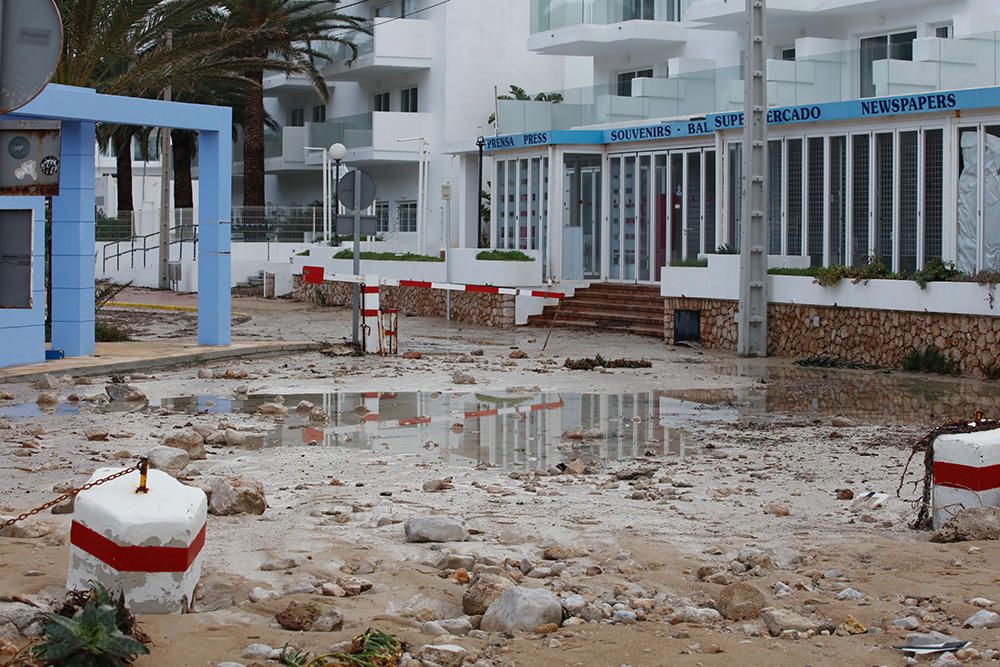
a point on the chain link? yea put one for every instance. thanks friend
(143, 463)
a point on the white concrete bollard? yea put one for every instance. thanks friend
(370, 314)
(966, 473)
(145, 544)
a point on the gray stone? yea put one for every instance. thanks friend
(740, 602)
(947, 659)
(230, 664)
(456, 626)
(170, 460)
(47, 398)
(483, 592)
(206, 374)
(458, 377)
(189, 440)
(236, 495)
(97, 434)
(433, 628)
(124, 393)
(983, 619)
(235, 438)
(780, 620)
(279, 564)
(53, 382)
(426, 608)
(261, 652)
(624, 616)
(574, 604)
(696, 616)
(971, 525)
(258, 594)
(850, 594)
(445, 655)
(521, 608)
(331, 620)
(20, 615)
(456, 562)
(435, 529)
(907, 623)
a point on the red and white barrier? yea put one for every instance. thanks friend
(966, 473)
(315, 275)
(147, 545)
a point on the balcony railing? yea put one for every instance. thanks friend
(352, 131)
(822, 72)
(555, 14)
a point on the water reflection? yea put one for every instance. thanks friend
(512, 431)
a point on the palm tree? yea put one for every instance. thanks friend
(287, 32)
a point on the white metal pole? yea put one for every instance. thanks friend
(420, 200)
(326, 197)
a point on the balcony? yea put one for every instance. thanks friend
(395, 46)
(790, 15)
(277, 83)
(596, 27)
(372, 138)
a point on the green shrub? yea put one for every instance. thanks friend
(347, 253)
(929, 360)
(808, 272)
(936, 270)
(504, 256)
(109, 332)
(690, 263)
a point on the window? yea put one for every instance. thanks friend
(408, 102)
(384, 10)
(407, 214)
(787, 53)
(895, 46)
(638, 10)
(625, 80)
(381, 217)
(381, 102)
(319, 113)
(297, 118)
(944, 31)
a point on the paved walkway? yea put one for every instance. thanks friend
(146, 355)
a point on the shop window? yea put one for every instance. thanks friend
(908, 200)
(816, 201)
(838, 199)
(884, 182)
(933, 193)
(775, 186)
(860, 197)
(794, 181)
(15, 259)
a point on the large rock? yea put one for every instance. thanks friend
(483, 592)
(435, 529)
(298, 616)
(445, 655)
(522, 609)
(53, 382)
(47, 398)
(781, 620)
(169, 459)
(235, 438)
(983, 619)
(971, 525)
(740, 602)
(236, 495)
(124, 393)
(20, 615)
(189, 440)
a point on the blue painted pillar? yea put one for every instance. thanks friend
(215, 166)
(73, 234)
(22, 330)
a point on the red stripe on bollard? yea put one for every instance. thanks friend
(371, 289)
(414, 283)
(961, 476)
(132, 558)
(482, 288)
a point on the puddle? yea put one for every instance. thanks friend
(511, 431)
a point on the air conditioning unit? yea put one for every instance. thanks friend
(174, 272)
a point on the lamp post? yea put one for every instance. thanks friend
(481, 142)
(337, 152)
(326, 189)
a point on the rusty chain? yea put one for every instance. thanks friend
(141, 467)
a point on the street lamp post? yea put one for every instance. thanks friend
(337, 152)
(481, 142)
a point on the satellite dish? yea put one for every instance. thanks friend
(30, 45)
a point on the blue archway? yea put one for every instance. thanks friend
(22, 331)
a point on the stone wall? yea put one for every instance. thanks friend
(490, 310)
(878, 337)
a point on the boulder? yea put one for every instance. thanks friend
(780, 620)
(272, 409)
(435, 529)
(983, 619)
(971, 525)
(298, 616)
(426, 608)
(522, 609)
(483, 592)
(331, 620)
(445, 655)
(20, 615)
(124, 393)
(97, 434)
(47, 398)
(235, 438)
(236, 495)
(170, 460)
(189, 440)
(458, 377)
(740, 602)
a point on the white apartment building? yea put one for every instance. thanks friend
(423, 82)
(883, 112)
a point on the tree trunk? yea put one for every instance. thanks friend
(183, 145)
(253, 141)
(183, 152)
(123, 158)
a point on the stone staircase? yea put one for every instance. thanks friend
(636, 309)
